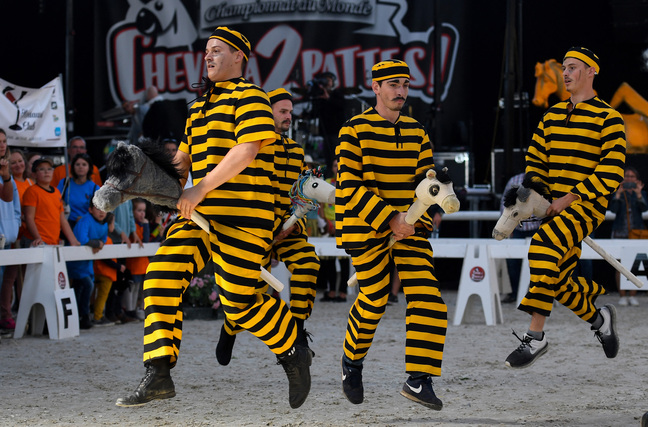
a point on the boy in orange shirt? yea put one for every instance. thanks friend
(43, 209)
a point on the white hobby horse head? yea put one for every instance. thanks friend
(437, 188)
(309, 190)
(521, 203)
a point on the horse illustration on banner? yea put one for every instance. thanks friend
(549, 81)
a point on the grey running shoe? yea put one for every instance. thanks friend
(224, 347)
(296, 362)
(420, 391)
(607, 334)
(352, 382)
(156, 384)
(529, 350)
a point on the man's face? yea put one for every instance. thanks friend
(3, 144)
(222, 63)
(76, 146)
(282, 112)
(392, 93)
(171, 148)
(575, 74)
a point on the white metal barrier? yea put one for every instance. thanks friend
(46, 293)
(46, 285)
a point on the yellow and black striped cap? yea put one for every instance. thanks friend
(585, 55)
(279, 95)
(233, 38)
(389, 69)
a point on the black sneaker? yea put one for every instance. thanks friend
(644, 420)
(607, 334)
(156, 384)
(224, 347)
(297, 363)
(420, 391)
(85, 322)
(528, 352)
(352, 382)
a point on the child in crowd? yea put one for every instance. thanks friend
(91, 230)
(43, 209)
(132, 299)
(105, 271)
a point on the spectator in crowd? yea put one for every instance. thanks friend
(105, 273)
(91, 230)
(628, 203)
(9, 225)
(132, 299)
(76, 145)
(18, 166)
(328, 107)
(43, 209)
(77, 190)
(138, 110)
(114, 311)
(170, 146)
(31, 157)
(7, 186)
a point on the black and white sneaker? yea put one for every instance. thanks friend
(352, 382)
(296, 362)
(420, 391)
(528, 352)
(607, 334)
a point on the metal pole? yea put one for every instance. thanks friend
(438, 70)
(69, 65)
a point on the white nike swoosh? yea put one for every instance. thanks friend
(343, 377)
(415, 390)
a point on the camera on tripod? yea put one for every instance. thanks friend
(314, 87)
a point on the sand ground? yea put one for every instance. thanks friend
(76, 381)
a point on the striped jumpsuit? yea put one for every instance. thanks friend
(241, 217)
(583, 153)
(295, 251)
(377, 163)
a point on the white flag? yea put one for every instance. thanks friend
(33, 117)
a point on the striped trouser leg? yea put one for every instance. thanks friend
(237, 256)
(302, 262)
(554, 252)
(180, 256)
(373, 269)
(427, 314)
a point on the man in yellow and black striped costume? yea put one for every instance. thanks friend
(379, 154)
(228, 147)
(290, 246)
(577, 153)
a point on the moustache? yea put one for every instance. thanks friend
(399, 98)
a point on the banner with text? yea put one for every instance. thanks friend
(33, 117)
(162, 44)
